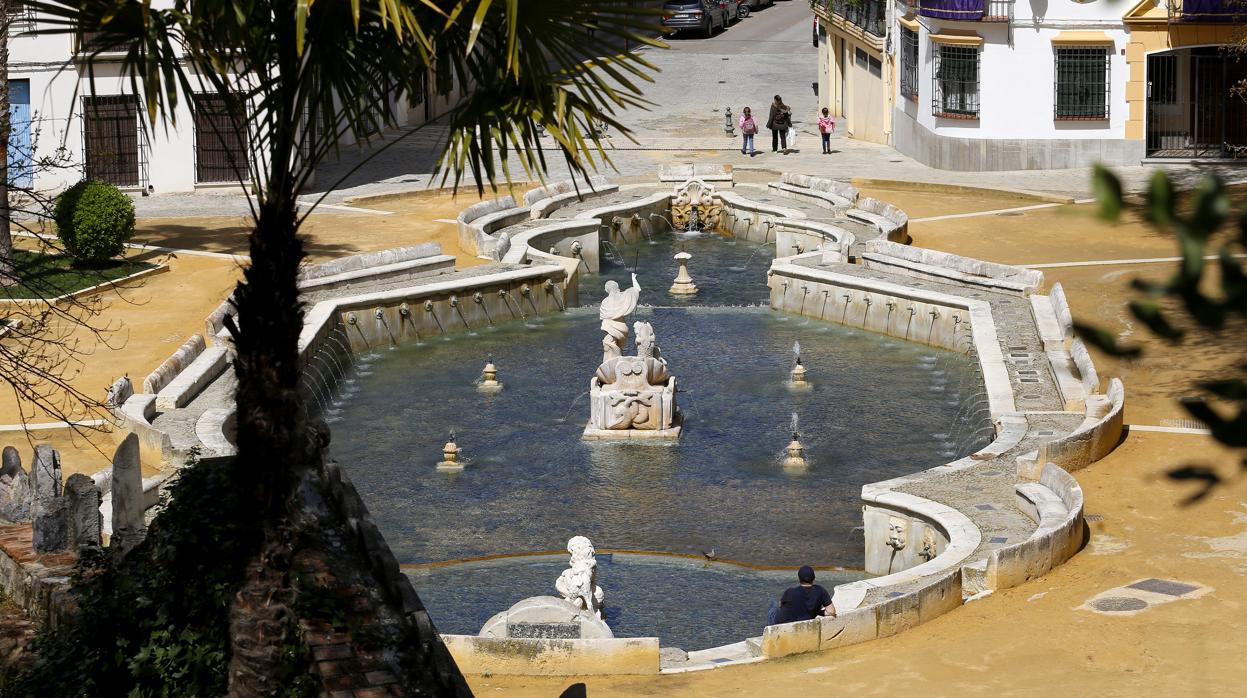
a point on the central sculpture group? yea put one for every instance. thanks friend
(630, 397)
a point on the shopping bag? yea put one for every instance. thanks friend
(792, 138)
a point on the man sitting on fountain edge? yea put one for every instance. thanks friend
(805, 601)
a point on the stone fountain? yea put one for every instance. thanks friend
(489, 378)
(694, 205)
(576, 614)
(795, 458)
(630, 397)
(683, 285)
(451, 455)
(797, 379)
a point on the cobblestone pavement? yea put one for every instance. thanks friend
(768, 53)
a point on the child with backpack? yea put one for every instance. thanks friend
(748, 129)
(826, 125)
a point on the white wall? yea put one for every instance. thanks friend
(1016, 82)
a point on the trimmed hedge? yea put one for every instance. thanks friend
(93, 220)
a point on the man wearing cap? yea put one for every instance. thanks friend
(805, 601)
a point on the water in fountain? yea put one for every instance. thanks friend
(717, 282)
(535, 482)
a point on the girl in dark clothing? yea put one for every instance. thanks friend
(779, 121)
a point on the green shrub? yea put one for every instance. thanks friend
(93, 220)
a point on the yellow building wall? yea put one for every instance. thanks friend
(850, 90)
(1152, 37)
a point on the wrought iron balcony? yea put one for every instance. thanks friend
(868, 15)
(965, 10)
(1197, 11)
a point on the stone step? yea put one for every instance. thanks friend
(754, 646)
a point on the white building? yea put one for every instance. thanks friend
(102, 128)
(1004, 85)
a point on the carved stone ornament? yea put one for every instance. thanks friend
(695, 194)
(898, 530)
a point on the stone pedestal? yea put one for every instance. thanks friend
(683, 285)
(546, 618)
(632, 412)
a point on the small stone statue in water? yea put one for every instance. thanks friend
(615, 307)
(579, 583)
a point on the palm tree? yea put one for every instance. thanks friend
(307, 75)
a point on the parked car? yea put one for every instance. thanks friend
(748, 5)
(703, 16)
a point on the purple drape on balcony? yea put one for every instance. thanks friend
(1214, 10)
(953, 9)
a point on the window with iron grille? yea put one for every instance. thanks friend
(956, 82)
(222, 148)
(1082, 82)
(1162, 79)
(110, 139)
(21, 17)
(909, 63)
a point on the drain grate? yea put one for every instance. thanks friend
(1118, 604)
(1032, 396)
(1028, 372)
(1009, 213)
(1029, 380)
(1183, 423)
(1094, 517)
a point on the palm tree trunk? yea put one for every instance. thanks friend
(273, 442)
(8, 270)
(259, 620)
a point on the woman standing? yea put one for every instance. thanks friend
(779, 121)
(748, 128)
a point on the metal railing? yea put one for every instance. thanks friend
(868, 15)
(21, 17)
(964, 10)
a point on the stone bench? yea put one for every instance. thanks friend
(828, 200)
(956, 267)
(397, 270)
(175, 364)
(874, 260)
(892, 222)
(213, 429)
(478, 222)
(1046, 323)
(844, 190)
(543, 201)
(368, 260)
(1099, 433)
(1056, 503)
(193, 379)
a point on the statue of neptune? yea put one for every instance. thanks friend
(615, 307)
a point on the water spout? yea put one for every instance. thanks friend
(796, 377)
(550, 288)
(527, 292)
(428, 308)
(795, 451)
(505, 295)
(479, 299)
